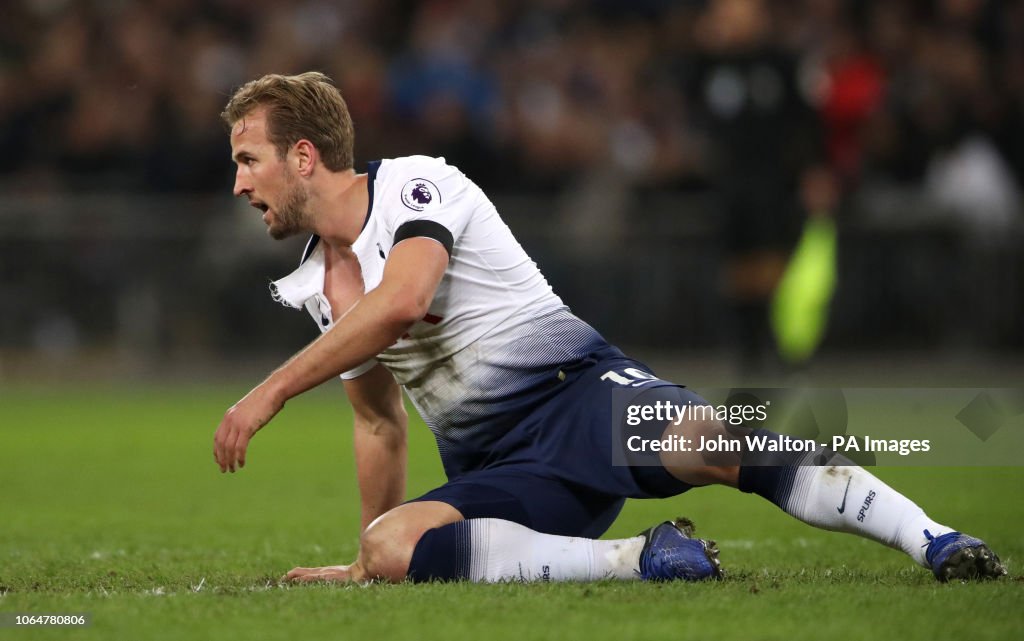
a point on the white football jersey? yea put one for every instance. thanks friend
(496, 334)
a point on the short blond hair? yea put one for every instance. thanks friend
(307, 106)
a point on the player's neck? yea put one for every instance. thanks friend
(341, 208)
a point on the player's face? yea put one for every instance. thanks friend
(267, 180)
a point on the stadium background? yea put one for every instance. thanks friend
(600, 128)
(657, 159)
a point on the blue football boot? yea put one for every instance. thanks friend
(671, 553)
(957, 556)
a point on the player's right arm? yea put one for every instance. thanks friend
(379, 441)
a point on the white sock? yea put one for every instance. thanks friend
(871, 508)
(499, 550)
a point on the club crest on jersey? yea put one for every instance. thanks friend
(419, 194)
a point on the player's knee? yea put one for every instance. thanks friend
(711, 453)
(385, 550)
(706, 428)
(706, 435)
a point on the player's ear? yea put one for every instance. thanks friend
(305, 157)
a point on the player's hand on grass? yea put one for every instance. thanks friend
(328, 574)
(244, 419)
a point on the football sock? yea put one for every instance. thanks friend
(830, 491)
(487, 550)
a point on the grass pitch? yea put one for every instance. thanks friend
(111, 504)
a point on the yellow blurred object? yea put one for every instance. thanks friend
(799, 312)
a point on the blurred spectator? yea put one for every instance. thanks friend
(747, 93)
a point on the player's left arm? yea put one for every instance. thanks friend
(411, 276)
(379, 441)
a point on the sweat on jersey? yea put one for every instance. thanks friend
(490, 347)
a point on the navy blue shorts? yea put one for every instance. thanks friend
(553, 472)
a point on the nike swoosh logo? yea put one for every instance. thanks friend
(842, 508)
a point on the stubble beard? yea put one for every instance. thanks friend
(292, 217)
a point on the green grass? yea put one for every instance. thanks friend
(111, 504)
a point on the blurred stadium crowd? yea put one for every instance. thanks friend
(124, 94)
(657, 151)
